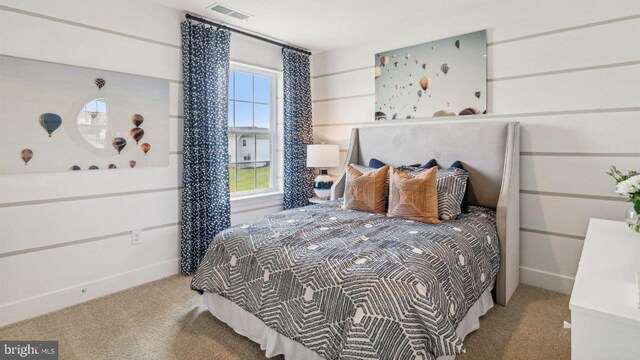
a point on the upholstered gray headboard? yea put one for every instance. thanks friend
(490, 151)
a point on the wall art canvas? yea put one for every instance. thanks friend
(66, 118)
(440, 78)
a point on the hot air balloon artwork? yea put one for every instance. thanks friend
(132, 163)
(442, 73)
(99, 83)
(50, 122)
(26, 155)
(137, 120)
(145, 147)
(119, 143)
(469, 111)
(445, 68)
(380, 116)
(137, 134)
(424, 82)
(63, 118)
(443, 113)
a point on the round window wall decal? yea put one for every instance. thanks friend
(93, 122)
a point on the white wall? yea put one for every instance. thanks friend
(64, 232)
(569, 71)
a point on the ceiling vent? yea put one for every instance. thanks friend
(225, 10)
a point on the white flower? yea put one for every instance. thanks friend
(629, 186)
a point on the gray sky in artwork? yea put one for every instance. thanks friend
(398, 86)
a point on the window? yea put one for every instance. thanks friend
(252, 130)
(93, 122)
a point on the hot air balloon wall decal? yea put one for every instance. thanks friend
(145, 148)
(439, 78)
(80, 119)
(137, 134)
(119, 143)
(50, 122)
(100, 83)
(137, 120)
(26, 155)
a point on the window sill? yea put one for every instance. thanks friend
(251, 202)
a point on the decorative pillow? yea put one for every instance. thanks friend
(429, 164)
(366, 191)
(376, 164)
(451, 185)
(367, 169)
(414, 198)
(465, 200)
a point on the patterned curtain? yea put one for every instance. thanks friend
(298, 129)
(205, 176)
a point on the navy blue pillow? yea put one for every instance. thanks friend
(429, 164)
(465, 200)
(376, 164)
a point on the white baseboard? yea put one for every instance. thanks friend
(550, 281)
(55, 300)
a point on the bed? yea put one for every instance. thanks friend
(327, 282)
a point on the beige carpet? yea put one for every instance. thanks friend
(165, 320)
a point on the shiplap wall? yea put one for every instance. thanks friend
(67, 231)
(568, 71)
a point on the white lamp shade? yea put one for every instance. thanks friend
(323, 156)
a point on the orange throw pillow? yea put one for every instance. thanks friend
(414, 198)
(366, 192)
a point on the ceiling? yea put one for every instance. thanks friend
(321, 25)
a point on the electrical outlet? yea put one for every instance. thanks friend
(136, 237)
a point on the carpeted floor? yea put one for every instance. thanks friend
(165, 320)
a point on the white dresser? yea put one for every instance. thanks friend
(605, 319)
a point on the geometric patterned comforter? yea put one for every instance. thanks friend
(354, 285)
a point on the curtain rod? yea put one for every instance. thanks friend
(257, 37)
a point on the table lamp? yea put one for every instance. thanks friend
(323, 156)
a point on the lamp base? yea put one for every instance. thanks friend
(322, 185)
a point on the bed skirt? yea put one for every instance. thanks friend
(274, 343)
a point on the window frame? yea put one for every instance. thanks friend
(272, 132)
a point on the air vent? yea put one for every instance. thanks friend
(225, 10)
(239, 15)
(222, 9)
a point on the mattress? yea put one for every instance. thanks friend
(348, 284)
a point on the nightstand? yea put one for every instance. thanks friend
(317, 200)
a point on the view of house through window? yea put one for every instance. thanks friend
(251, 130)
